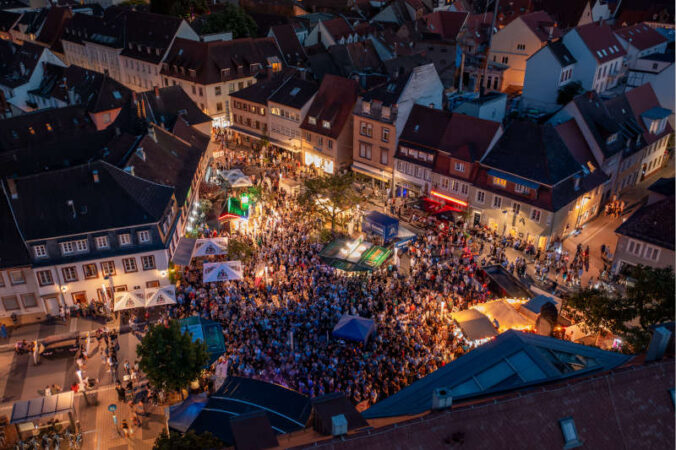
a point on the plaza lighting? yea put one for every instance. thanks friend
(448, 198)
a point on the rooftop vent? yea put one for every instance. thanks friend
(442, 398)
(95, 175)
(338, 425)
(141, 154)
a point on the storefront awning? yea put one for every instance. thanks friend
(371, 172)
(42, 407)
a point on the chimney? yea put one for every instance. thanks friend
(95, 175)
(442, 398)
(658, 344)
(151, 133)
(11, 184)
(141, 154)
(157, 92)
(303, 74)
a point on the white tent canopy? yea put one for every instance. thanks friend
(128, 300)
(211, 246)
(236, 178)
(160, 296)
(222, 271)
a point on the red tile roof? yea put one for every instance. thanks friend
(447, 24)
(625, 408)
(641, 99)
(288, 43)
(542, 25)
(600, 41)
(334, 102)
(338, 28)
(641, 36)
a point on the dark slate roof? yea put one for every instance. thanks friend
(7, 20)
(286, 410)
(50, 34)
(17, 62)
(513, 360)
(540, 23)
(260, 91)
(653, 223)
(600, 121)
(532, 151)
(629, 407)
(288, 43)
(172, 102)
(118, 200)
(330, 405)
(13, 252)
(207, 59)
(252, 431)
(170, 161)
(663, 186)
(303, 91)
(447, 24)
(333, 103)
(52, 84)
(141, 35)
(643, 99)
(561, 53)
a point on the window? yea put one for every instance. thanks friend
(40, 251)
(194, 90)
(152, 284)
(201, 92)
(459, 167)
(217, 90)
(90, 271)
(569, 431)
(330, 144)
(129, 265)
(326, 124)
(497, 202)
(10, 303)
(219, 107)
(69, 273)
(67, 248)
(2, 281)
(499, 182)
(366, 129)
(125, 239)
(108, 268)
(144, 236)
(464, 188)
(516, 207)
(386, 135)
(521, 46)
(535, 215)
(521, 189)
(81, 245)
(365, 150)
(29, 300)
(384, 156)
(320, 141)
(634, 247)
(148, 262)
(102, 242)
(45, 277)
(480, 196)
(652, 253)
(312, 120)
(16, 277)
(505, 60)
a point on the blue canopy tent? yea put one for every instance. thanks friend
(207, 331)
(354, 328)
(381, 224)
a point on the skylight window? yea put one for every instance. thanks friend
(616, 49)
(117, 95)
(604, 52)
(294, 91)
(570, 437)
(599, 53)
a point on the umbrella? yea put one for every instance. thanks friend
(128, 300)
(160, 296)
(223, 271)
(208, 247)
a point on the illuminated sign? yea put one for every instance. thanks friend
(447, 198)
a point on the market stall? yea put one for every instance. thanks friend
(208, 331)
(380, 224)
(504, 315)
(354, 255)
(475, 326)
(160, 296)
(354, 328)
(210, 247)
(129, 300)
(291, 187)
(222, 271)
(236, 178)
(32, 415)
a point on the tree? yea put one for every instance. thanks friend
(186, 9)
(648, 300)
(231, 18)
(187, 441)
(330, 198)
(569, 92)
(169, 358)
(240, 249)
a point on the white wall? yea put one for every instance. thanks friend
(505, 45)
(424, 87)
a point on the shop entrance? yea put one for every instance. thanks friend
(477, 218)
(51, 305)
(79, 298)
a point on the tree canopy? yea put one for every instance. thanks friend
(569, 92)
(169, 358)
(330, 198)
(648, 300)
(231, 18)
(187, 441)
(186, 9)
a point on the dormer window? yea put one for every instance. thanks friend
(569, 431)
(326, 124)
(612, 138)
(385, 112)
(193, 73)
(312, 120)
(366, 107)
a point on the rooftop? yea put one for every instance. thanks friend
(653, 223)
(332, 105)
(601, 42)
(641, 36)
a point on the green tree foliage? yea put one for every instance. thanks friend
(569, 92)
(240, 249)
(330, 198)
(186, 9)
(648, 300)
(187, 441)
(231, 18)
(169, 358)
